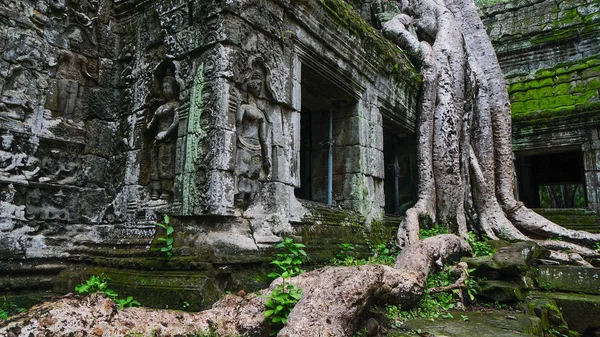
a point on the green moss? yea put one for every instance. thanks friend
(563, 91)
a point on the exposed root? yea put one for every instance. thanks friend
(568, 247)
(461, 270)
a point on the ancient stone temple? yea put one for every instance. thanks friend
(244, 121)
(550, 54)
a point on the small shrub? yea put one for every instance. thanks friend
(284, 297)
(425, 232)
(167, 239)
(99, 284)
(480, 247)
(7, 309)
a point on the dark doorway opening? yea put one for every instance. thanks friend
(553, 180)
(324, 137)
(400, 185)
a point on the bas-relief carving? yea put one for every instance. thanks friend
(252, 158)
(9, 208)
(71, 75)
(14, 163)
(50, 206)
(161, 131)
(18, 95)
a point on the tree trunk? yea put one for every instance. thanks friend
(466, 173)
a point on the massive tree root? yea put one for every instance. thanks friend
(464, 154)
(333, 300)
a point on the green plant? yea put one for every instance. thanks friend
(384, 254)
(480, 246)
(597, 246)
(8, 309)
(434, 230)
(167, 238)
(281, 302)
(290, 260)
(347, 251)
(99, 284)
(471, 285)
(434, 305)
(284, 297)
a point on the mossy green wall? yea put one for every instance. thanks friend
(567, 90)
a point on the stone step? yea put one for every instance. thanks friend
(580, 311)
(572, 218)
(497, 323)
(570, 279)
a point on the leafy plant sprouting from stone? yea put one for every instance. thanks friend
(99, 284)
(480, 246)
(435, 305)
(167, 239)
(380, 254)
(7, 309)
(284, 297)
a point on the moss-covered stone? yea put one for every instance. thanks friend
(580, 311)
(377, 48)
(548, 312)
(570, 278)
(498, 323)
(561, 92)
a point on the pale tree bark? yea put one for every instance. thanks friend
(469, 164)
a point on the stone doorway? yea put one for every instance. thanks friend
(554, 180)
(329, 141)
(400, 184)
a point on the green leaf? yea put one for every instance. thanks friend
(161, 239)
(165, 249)
(268, 313)
(170, 230)
(167, 219)
(82, 288)
(170, 240)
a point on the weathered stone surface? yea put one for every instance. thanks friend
(548, 311)
(579, 310)
(501, 291)
(570, 278)
(493, 324)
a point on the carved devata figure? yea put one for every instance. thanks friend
(162, 132)
(252, 157)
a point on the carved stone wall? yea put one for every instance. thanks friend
(550, 53)
(113, 113)
(58, 121)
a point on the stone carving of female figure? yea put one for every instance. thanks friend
(162, 127)
(252, 154)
